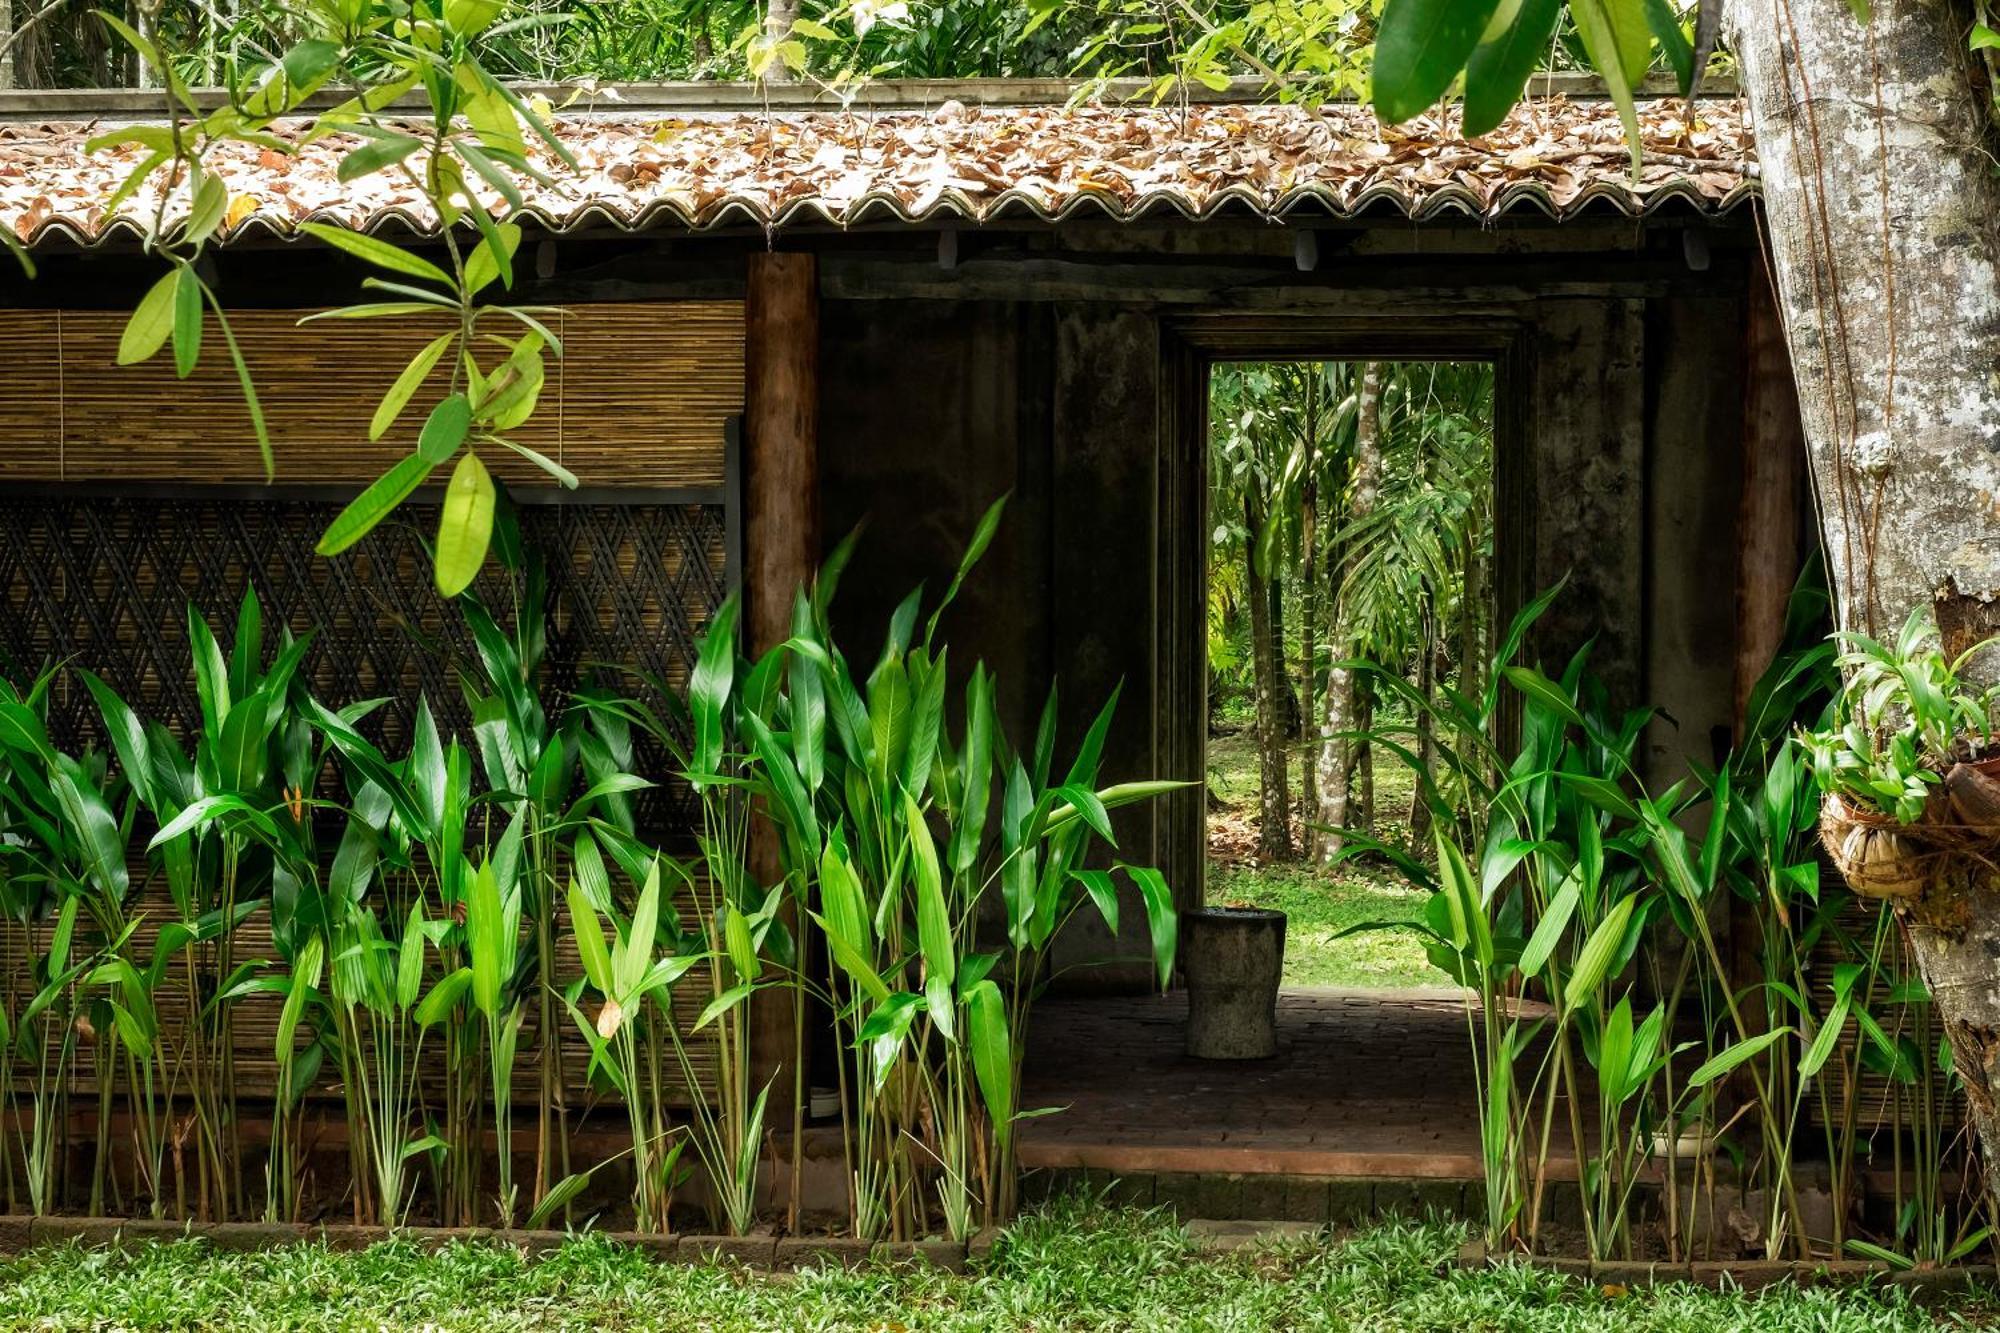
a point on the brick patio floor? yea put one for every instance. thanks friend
(1365, 1084)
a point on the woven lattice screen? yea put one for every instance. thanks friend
(104, 581)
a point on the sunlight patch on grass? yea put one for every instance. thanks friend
(1318, 904)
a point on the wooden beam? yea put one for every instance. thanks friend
(780, 439)
(1767, 515)
(781, 551)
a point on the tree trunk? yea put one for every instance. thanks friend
(1309, 615)
(1309, 611)
(778, 21)
(1274, 834)
(1427, 674)
(7, 38)
(1363, 768)
(1885, 239)
(1337, 720)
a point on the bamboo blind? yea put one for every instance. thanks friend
(639, 398)
(1875, 1095)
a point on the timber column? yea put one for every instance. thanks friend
(781, 552)
(780, 440)
(1767, 515)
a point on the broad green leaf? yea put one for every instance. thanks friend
(465, 526)
(1420, 46)
(992, 1054)
(21, 730)
(374, 156)
(1593, 961)
(99, 841)
(485, 265)
(187, 321)
(1499, 69)
(445, 428)
(205, 214)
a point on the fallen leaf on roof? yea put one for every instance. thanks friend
(973, 162)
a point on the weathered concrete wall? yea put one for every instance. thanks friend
(1694, 419)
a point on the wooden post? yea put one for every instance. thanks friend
(781, 440)
(1767, 515)
(781, 551)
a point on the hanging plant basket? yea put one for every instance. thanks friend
(1880, 857)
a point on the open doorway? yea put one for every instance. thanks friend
(1351, 515)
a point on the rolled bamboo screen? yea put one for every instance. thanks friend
(640, 398)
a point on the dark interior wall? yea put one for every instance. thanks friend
(1627, 391)
(929, 412)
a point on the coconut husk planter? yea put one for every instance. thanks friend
(1881, 857)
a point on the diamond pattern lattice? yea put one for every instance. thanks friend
(105, 582)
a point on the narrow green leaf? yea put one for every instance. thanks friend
(377, 252)
(407, 383)
(373, 505)
(1728, 1059)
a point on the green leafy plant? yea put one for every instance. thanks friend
(1905, 712)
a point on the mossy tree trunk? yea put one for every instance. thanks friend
(1884, 213)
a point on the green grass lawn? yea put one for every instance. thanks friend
(1075, 1266)
(1318, 904)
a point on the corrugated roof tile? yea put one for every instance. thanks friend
(1553, 156)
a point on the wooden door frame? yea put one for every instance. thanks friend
(1190, 346)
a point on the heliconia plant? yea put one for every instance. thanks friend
(633, 979)
(874, 845)
(854, 777)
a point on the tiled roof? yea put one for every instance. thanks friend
(1554, 156)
